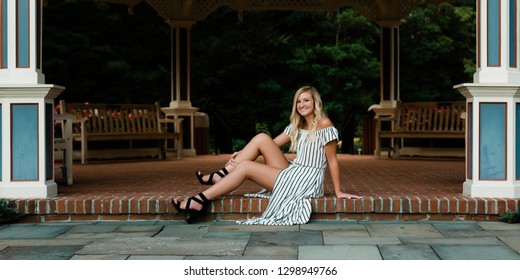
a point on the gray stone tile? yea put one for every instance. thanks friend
(39, 253)
(139, 228)
(482, 233)
(271, 251)
(68, 223)
(190, 231)
(155, 257)
(339, 252)
(251, 228)
(402, 230)
(298, 238)
(386, 222)
(407, 252)
(44, 242)
(99, 257)
(457, 226)
(244, 235)
(129, 223)
(337, 240)
(165, 246)
(346, 233)
(349, 229)
(32, 231)
(475, 229)
(328, 226)
(452, 241)
(511, 241)
(240, 258)
(499, 226)
(475, 252)
(93, 228)
(104, 235)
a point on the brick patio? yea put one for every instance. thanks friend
(404, 189)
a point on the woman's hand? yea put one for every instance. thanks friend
(347, 195)
(232, 159)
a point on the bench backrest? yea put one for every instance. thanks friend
(115, 118)
(430, 116)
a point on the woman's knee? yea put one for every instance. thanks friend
(262, 137)
(244, 166)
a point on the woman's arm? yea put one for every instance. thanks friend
(282, 139)
(330, 152)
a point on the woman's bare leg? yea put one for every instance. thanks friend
(261, 144)
(262, 174)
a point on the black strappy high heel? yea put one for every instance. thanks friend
(221, 173)
(192, 214)
(177, 206)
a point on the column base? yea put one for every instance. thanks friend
(189, 152)
(28, 190)
(491, 189)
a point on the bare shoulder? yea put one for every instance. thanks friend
(324, 123)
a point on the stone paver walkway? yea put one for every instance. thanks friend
(349, 240)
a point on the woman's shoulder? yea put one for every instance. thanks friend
(324, 123)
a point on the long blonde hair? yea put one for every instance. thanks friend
(298, 121)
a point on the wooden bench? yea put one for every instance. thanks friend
(422, 120)
(63, 145)
(122, 122)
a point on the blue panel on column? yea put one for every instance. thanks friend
(49, 139)
(22, 35)
(1, 143)
(470, 141)
(4, 34)
(492, 141)
(517, 140)
(493, 29)
(512, 33)
(24, 159)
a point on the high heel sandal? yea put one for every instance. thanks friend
(210, 179)
(177, 206)
(192, 214)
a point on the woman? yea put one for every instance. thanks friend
(313, 138)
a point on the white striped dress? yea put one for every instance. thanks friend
(290, 201)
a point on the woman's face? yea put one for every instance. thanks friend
(305, 104)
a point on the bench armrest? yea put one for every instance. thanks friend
(176, 122)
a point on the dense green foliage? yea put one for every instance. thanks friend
(7, 212)
(244, 72)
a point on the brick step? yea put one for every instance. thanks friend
(239, 207)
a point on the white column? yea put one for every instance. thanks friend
(180, 104)
(493, 104)
(389, 82)
(26, 105)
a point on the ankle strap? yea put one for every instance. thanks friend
(203, 198)
(202, 202)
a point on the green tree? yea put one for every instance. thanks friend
(435, 56)
(340, 59)
(100, 53)
(244, 72)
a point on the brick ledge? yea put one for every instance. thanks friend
(237, 208)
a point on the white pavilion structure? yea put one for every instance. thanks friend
(493, 97)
